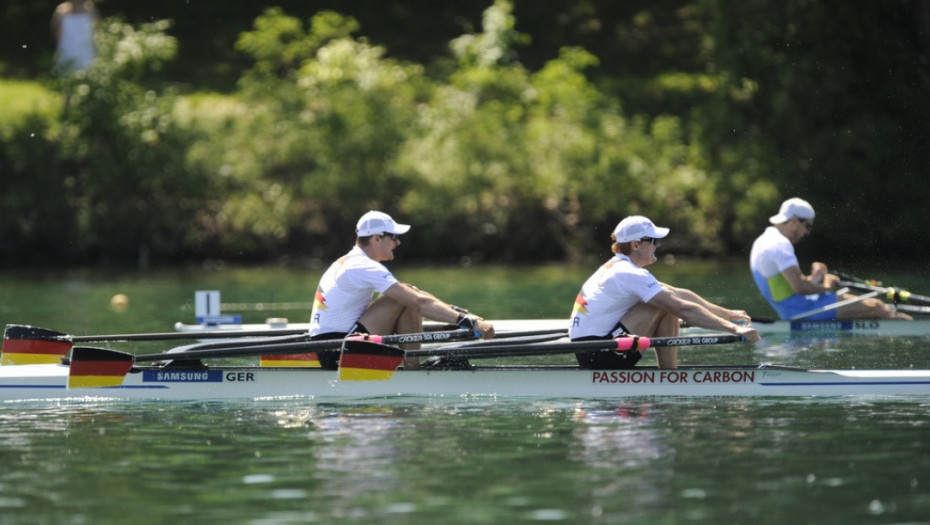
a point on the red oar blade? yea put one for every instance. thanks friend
(98, 367)
(367, 361)
(29, 345)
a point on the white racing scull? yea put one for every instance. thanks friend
(49, 382)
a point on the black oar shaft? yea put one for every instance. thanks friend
(895, 295)
(504, 350)
(302, 346)
(168, 336)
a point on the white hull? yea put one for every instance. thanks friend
(48, 382)
(880, 328)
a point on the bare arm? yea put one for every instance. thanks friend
(695, 314)
(431, 307)
(807, 284)
(719, 311)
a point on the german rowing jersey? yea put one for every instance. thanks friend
(616, 287)
(345, 291)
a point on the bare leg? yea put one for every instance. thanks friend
(385, 316)
(646, 320)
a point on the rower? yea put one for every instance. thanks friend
(622, 296)
(343, 300)
(777, 274)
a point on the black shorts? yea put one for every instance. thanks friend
(329, 359)
(605, 360)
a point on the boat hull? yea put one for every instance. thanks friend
(48, 382)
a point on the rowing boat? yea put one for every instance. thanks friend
(199, 383)
(874, 327)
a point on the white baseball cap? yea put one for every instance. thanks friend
(636, 227)
(376, 223)
(793, 207)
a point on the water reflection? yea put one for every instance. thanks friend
(407, 461)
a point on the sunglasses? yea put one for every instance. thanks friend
(655, 242)
(392, 236)
(807, 224)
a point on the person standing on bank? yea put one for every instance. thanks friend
(777, 273)
(343, 301)
(73, 25)
(623, 297)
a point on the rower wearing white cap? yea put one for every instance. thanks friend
(623, 297)
(777, 273)
(343, 300)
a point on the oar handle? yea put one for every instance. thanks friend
(852, 278)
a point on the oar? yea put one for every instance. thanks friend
(620, 344)
(423, 337)
(834, 306)
(895, 295)
(366, 360)
(99, 367)
(912, 309)
(26, 345)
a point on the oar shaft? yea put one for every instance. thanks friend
(895, 295)
(912, 309)
(167, 336)
(696, 340)
(305, 346)
(833, 306)
(619, 344)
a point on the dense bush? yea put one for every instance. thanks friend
(488, 158)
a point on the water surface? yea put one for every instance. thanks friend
(467, 460)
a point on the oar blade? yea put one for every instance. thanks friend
(98, 367)
(367, 361)
(30, 345)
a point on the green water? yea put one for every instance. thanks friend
(864, 460)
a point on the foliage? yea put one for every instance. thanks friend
(827, 102)
(704, 116)
(314, 149)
